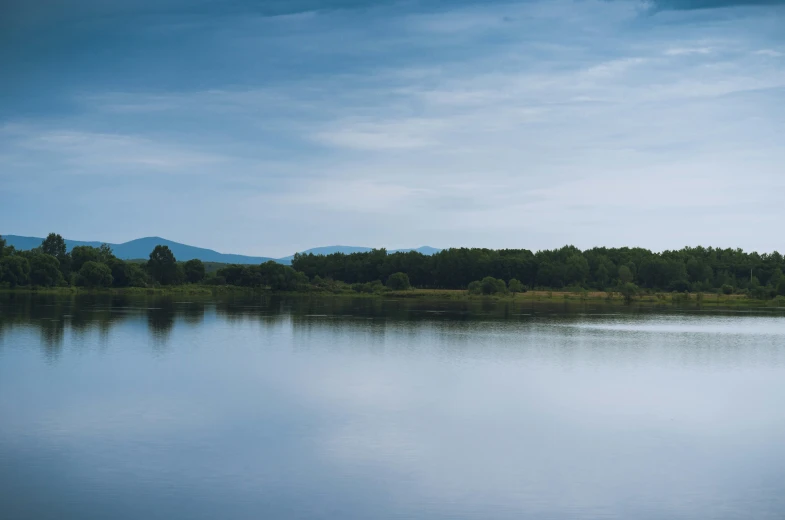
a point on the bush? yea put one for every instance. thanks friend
(679, 286)
(727, 289)
(365, 288)
(474, 288)
(515, 286)
(398, 282)
(491, 285)
(628, 291)
(760, 293)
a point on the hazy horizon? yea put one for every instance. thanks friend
(264, 128)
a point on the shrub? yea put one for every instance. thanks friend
(679, 286)
(628, 291)
(398, 282)
(727, 289)
(491, 285)
(366, 288)
(515, 286)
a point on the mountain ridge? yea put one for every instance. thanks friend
(140, 248)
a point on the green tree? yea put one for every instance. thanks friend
(625, 275)
(475, 287)
(162, 266)
(53, 245)
(119, 271)
(14, 270)
(94, 274)
(82, 254)
(194, 271)
(2, 246)
(45, 270)
(491, 285)
(515, 286)
(602, 275)
(136, 275)
(105, 253)
(398, 282)
(628, 291)
(281, 277)
(576, 269)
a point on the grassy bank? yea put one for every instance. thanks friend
(653, 298)
(709, 299)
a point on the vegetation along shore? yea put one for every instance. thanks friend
(702, 275)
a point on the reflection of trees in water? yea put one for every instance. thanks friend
(52, 336)
(53, 315)
(192, 311)
(160, 320)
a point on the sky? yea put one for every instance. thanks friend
(273, 126)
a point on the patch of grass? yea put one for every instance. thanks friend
(692, 299)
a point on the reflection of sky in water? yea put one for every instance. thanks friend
(259, 410)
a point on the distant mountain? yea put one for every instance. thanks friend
(141, 248)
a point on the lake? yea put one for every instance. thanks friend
(320, 408)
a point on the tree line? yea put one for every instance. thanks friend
(51, 265)
(695, 269)
(480, 271)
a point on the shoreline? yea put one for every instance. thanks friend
(613, 298)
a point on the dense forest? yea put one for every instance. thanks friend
(695, 269)
(476, 270)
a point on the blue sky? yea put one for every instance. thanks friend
(273, 126)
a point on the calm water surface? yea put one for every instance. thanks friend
(122, 408)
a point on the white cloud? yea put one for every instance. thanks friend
(389, 135)
(768, 52)
(681, 51)
(90, 152)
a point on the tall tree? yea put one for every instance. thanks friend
(54, 245)
(105, 253)
(162, 265)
